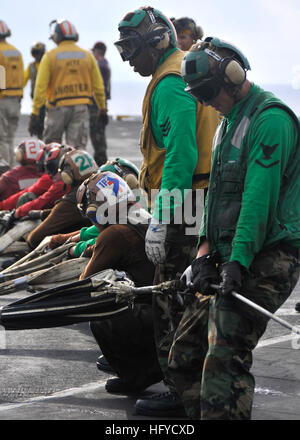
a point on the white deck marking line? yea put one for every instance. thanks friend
(287, 312)
(272, 341)
(65, 393)
(94, 385)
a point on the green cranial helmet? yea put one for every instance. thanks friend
(123, 168)
(145, 25)
(196, 69)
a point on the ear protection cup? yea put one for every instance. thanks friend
(19, 155)
(91, 212)
(67, 177)
(198, 33)
(232, 72)
(229, 69)
(159, 36)
(131, 181)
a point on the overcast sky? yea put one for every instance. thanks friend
(267, 31)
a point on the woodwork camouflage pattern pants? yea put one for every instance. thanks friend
(211, 355)
(167, 310)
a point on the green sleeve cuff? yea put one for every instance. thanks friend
(87, 233)
(242, 253)
(82, 245)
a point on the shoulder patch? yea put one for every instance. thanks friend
(268, 150)
(166, 127)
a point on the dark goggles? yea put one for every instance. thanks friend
(206, 90)
(129, 46)
(52, 167)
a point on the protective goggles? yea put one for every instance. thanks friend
(40, 161)
(52, 167)
(206, 90)
(129, 46)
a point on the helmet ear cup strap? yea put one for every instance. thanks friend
(232, 72)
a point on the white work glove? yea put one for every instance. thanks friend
(155, 241)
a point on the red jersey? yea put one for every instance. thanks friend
(47, 191)
(17, 179)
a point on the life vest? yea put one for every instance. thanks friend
(11, 60)
(70, 75)
(153, 156)
(229, 167)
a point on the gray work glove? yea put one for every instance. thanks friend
(155, 242)
(34, 214)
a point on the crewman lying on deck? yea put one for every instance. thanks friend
(41, 195)
(126, 341)
(73, 167)
(86, 236)
(26, 173)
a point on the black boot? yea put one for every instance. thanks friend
(103, 365)
(161, 405)
(117, 386)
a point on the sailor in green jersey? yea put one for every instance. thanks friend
(176, 147)
(182, 117)
(83, 238)
(250, 236)
(87, 238)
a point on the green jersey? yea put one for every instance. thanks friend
(254, 192)
(173, 124)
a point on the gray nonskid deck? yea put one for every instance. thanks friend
(51, 374)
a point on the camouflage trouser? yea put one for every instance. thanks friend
(211, 355)
(72, 120)
(167, 312)
(97, 135)
(128, 345)
(10, 108)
